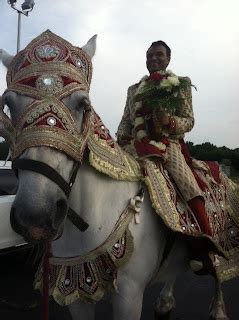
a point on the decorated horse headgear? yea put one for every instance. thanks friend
(49, 65)
(48, 70)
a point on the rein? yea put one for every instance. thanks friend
(46, 275)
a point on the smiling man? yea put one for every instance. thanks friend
(157, 114)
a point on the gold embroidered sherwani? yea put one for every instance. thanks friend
(180, 123)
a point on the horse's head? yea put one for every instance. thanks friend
(47, 95)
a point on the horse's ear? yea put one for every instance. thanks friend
(5, 57)
(90, 46)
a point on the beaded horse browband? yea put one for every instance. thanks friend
(48, 70)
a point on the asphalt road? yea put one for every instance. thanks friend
(193, 295)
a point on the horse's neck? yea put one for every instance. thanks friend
(99, 200)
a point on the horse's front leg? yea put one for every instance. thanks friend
(127, 300)
(175, 265)
(217, 308)
(82, 311)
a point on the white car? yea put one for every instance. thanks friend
(8, 185)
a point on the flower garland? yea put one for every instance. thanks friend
(160, 88)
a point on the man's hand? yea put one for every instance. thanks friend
(162, 118)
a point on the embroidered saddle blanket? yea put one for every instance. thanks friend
(88, 277)
(220, 193)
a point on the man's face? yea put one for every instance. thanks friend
(156, 58)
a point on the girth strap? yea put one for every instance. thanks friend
(45, 170)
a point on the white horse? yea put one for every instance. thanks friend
(40, 209)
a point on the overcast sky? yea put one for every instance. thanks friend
(203, 36)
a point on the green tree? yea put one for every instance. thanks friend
(210, 152)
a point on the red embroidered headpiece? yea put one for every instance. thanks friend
(49, 65)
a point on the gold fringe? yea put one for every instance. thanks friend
(165, 207)
(113, 162)
(102, 285)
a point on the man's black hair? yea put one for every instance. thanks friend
(162, 43)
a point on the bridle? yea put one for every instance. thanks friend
(48, 70)
(49, 122)
(64, 137)
(50, 173)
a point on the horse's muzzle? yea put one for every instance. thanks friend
(32, 233)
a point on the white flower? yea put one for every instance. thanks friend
(165, 83)
(138, 121)
(173, 80)
(141, 86)
(158, 145)
(162, 72)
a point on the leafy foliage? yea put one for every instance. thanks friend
(208, 151)
(168, 97)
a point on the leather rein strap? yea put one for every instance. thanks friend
(53, 175)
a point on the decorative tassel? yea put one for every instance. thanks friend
(135, 205)
(136, 218)
(46, 274)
